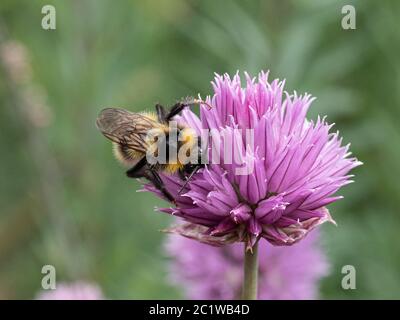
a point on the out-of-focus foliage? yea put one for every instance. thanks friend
(64, 200)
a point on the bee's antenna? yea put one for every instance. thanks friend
(188, 179)
(199, 101)
(191, 100)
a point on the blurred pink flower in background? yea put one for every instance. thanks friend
(206, 272)
(72, 291)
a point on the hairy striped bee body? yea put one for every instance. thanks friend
(137, 138)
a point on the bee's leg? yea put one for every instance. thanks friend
(176, 109)
(161, 113)
(187, 179)
(153, 176)
(179, 106)
(182, 175)
(143, 170)
(138, 170)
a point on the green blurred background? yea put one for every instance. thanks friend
(65, 201)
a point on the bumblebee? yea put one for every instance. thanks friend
(136, 135)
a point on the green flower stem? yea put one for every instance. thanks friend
(250, 279)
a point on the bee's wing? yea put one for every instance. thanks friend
(125, 127)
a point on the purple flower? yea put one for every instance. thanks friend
(206, 272)
(72, 291)
(297, 167)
